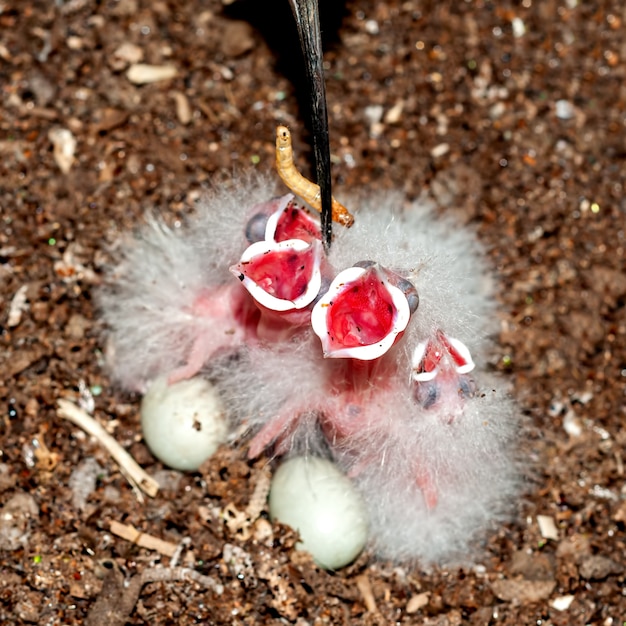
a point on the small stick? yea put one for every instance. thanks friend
(134, 474)
(183, 544)
(118, 597)
(150, 542)
(301, 186)
(186, 574)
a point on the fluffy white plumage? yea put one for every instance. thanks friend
(435, 474)
(149, 302)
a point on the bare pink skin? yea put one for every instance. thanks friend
(277, 326)
(349, 414)
(233, 322)
(236, 319)
(345, 412)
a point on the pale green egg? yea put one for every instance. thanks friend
(184, 423)
(312, 496)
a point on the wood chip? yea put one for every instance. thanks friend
(18, 305)
(183, 110)
(130, 533)
(63, 148)
(547, 527)
(142, 74)
(394, 115)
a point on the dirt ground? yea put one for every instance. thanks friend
(512, 112)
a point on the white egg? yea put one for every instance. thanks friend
(312, 496)
(184, 423)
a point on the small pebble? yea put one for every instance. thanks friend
(598, 567)
(572, 424)
(371, 27)
(238, 39)
(16, 517)
(562, 603)
(564, 109)
(183, 110)
(374, 113)
(128, 52)
(440, 150)
(518, 26)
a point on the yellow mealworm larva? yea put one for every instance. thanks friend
(298, 184)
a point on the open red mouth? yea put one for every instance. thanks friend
(281, 276)
(361, 316)
(428, 357)
(292, 222)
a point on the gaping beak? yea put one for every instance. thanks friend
(429, 354)
(306, 14)
(441, 367)
(361, 315)
(281, 276)
(291, 221)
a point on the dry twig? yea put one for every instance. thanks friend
(118, 598)
(129, 467)
(130, 533)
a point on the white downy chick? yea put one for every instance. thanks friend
(171, 305)
(434, 459)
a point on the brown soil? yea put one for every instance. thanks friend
(528, 129)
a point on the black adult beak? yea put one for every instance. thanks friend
(306, 14)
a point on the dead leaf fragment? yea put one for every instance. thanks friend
(598, 567)
(417, 602)
(238, 38)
